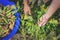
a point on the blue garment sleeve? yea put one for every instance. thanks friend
(6, 2)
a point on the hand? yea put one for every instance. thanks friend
(27, 10)
(43, 20)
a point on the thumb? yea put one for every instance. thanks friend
(29, 12)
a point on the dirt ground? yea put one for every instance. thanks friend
(17, 37)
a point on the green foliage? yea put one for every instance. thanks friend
(30, 28)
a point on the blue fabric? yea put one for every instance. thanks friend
(17, 21)
(6, 2)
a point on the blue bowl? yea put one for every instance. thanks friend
(17, 21)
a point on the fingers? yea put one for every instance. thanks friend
(29, 12)
(25, 11)
(39, 23)
(42, 21)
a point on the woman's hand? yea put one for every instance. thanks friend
(43, 20)
(52, 8)
(27, 10)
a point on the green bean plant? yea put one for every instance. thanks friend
(29, 28)
(7, 19)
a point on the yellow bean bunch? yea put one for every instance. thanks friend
(7, 20)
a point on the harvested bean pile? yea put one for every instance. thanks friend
(7, 20)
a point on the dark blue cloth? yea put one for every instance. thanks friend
(6, 2)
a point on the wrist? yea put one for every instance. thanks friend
(26, 5)
(47, 16)
(25, 2)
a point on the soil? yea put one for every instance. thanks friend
(18, 36)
